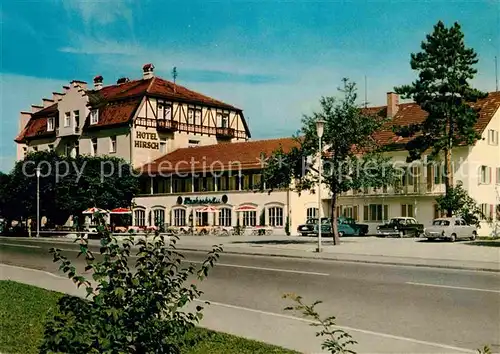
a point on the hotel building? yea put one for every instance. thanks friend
(195, 152)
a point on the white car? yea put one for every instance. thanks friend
(452, 229)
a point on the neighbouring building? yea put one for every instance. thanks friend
(137, 120)
(226, 175)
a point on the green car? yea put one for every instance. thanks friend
(346, 227)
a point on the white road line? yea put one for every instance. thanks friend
(385, 335)
(454, 287)
(33, 270)
(265, 269)
(18, 245)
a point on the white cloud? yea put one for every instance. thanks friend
(100, 12)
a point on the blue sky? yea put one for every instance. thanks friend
(273, 59)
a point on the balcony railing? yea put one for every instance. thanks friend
(167, 124)
(225, 132)
(413, 189)
(66, 131)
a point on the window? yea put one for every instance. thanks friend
(375, 212)
(484, 210)
(225, 217)
(201, 219)
(51, 124)
(179, 217)
(25, 151)
(193, 143)
(493, 137)
(76, 118)
(77, 148)
(140, 217)
(112, 147)
(159, 217)
(348, 212)
(498, 212)
(484, 175)
(249, 218)
(35, 148)
(167, 111)
(94, 116)
(163, 146)
(407, 210)
(438, 213)
(190, 116)
(438, 174)
(67, 119)
(222, 120)
(93, 146)
(197, 117)
(275, 216)
(312, 213)
(50, 147)
(498, 175)
(161, 111)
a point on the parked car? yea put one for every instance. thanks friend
(401, 227)
(308, 228)
(345, 226)
(450, 229)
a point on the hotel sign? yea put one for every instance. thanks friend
(144, 143)
(202, 200)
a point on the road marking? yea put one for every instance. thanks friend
(264, 268)
(33, 270)
(454, 287)
(18, 245)
(345, 328)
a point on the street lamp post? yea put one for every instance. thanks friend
(320, 124)
(38, 202)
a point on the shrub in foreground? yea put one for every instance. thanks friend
(135, 306)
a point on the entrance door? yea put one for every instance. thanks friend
(201, 219)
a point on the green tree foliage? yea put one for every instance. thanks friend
(133, 307)
(68, 185)
(337, 340)
(352, 159)
(445, 67)
(461, 204)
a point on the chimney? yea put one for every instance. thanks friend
(57, 96)
(98, 82)
(47, 102)
(80, 84)
(148, 71)
(392, 104)
(122, 80)
(35, 108)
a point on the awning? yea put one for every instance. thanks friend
(121, 211)
(207, 209)
(95, 210)
(246, 208)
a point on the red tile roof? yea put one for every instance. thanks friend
(118, 103)
(411, 113)
(37, 125)
(231, 156)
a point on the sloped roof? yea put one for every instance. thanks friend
(411, 113)
(217, 157)
(118, 103)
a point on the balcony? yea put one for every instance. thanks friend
(419, 189)
(227, 133)
(166, 125)
(67, 131)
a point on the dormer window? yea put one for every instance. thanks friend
(493, 137)
(50, 124)
(94, 116)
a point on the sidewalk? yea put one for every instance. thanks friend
(410, 252)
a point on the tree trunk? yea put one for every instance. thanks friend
(448, 176)
(335, 229)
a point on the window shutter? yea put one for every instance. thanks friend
(489, 175)
(337, 211)
(403, 210)
(355, 213)
(491, 211)
(365, 212)
(386, 212)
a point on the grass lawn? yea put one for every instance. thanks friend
(24, 308)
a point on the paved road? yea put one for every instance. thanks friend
(403, 309)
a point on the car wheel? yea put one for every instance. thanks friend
(474, 235)
(401, 234)
(341, 234)
(430, 239)
(453, 237)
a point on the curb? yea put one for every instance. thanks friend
(351, 260)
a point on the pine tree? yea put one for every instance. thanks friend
(445, 67)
